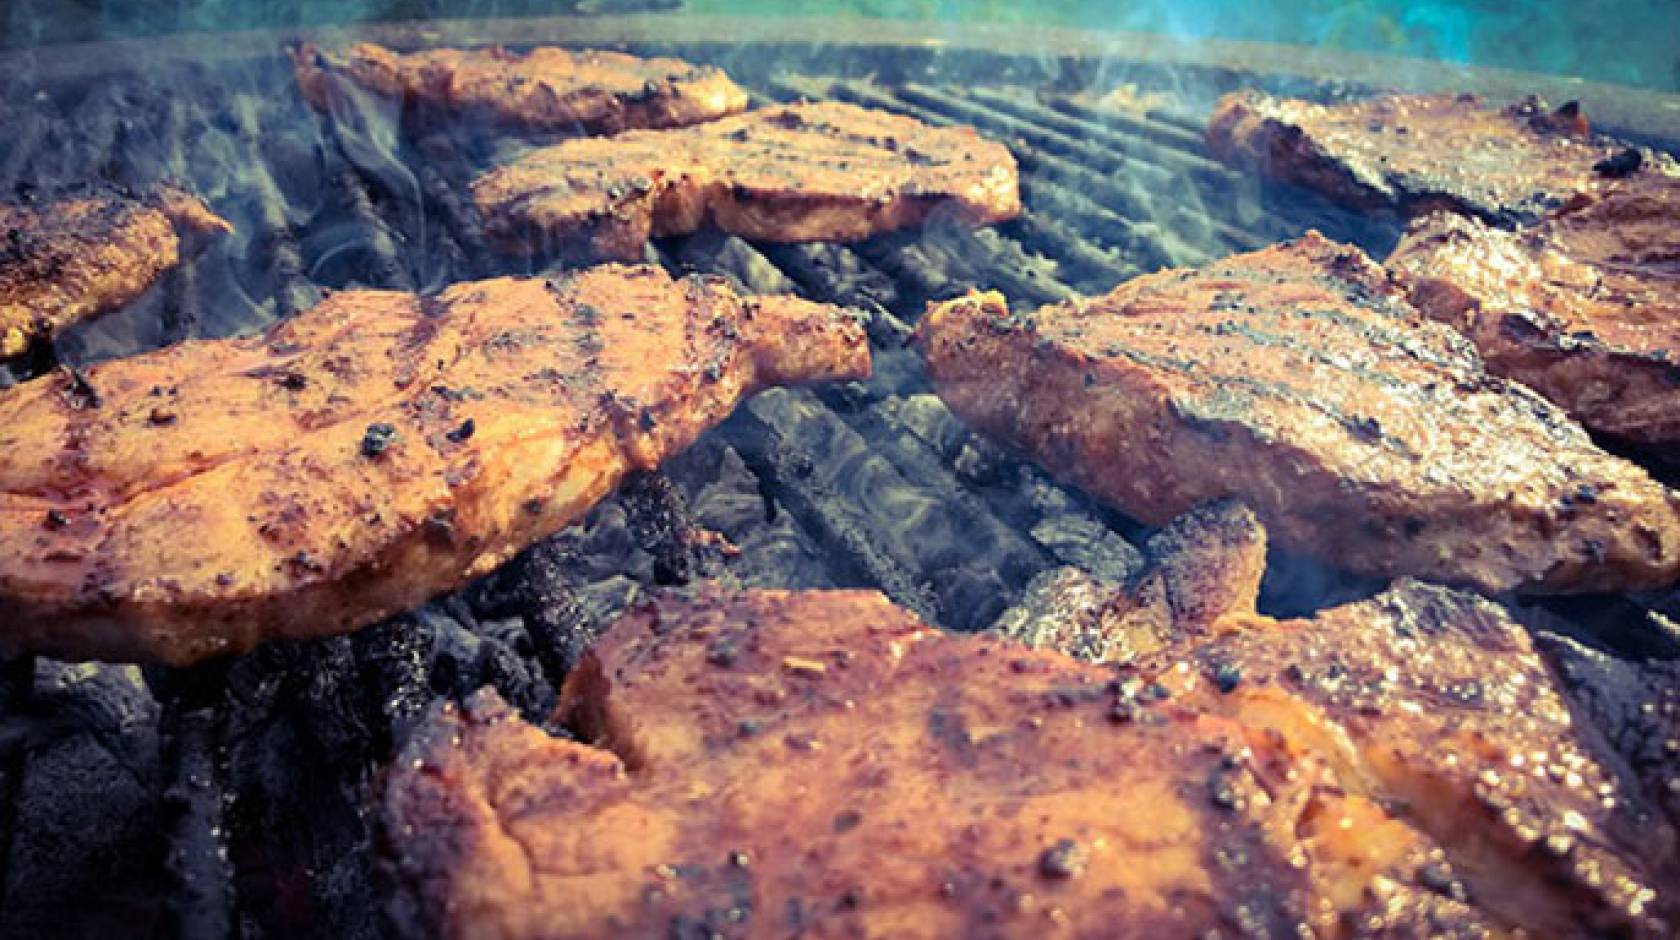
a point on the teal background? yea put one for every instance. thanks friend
(1630, 41)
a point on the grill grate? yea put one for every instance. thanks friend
(233, 796)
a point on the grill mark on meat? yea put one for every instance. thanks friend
(818, 171)
(305, 532)
(90, 251)
(1370, 436)
(1580, 306)
(1418, 153)
(1208, 414)
(930, 780)
(546, 90)
(1431, 702)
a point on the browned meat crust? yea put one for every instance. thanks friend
(546, 89)
(372, 452)
(1299, 380)
(1429, 702)
(1416, 152)
(821, 763)
(807, 172)
(65, 260)
(1583, 307)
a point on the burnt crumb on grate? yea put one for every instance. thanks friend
(378, 439)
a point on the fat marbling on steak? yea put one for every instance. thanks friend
(797, 173)
(1298, 379)
(546, 89)
(1584, 306)
(822, 763)
(81, 254)
(1418, 152)
(376, 450)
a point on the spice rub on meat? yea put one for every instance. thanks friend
(823, 764)
(1418, 152)
(544, 90)
(376, 450)
(805, 172)
(1298, 379)
(1584, 306)
(1429, 702)
(771, 763)
(69, 258)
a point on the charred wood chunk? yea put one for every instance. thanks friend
(662, 525)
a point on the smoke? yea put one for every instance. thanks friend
(38, 22)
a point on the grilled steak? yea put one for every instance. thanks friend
(1431, 703)
(1298, 379)
(1583, 307)
(820, 762)
(1417, 152)
(372, 452)
(546, 89)
(808, 172)
(71, 258)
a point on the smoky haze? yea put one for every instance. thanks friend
(1635, 42)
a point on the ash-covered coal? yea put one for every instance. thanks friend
(84, 821)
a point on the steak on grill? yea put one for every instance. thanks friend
(74, 257)
(821, 763)
(545, 90)
(1583, 307)
(1416, 152)
(1298, 379)
(806, 172)
(370, 453)
(1429, 702)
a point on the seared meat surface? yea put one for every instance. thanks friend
(1416, 152)
(71, 258)
(1298, 379)
(370, 453)
(772, 763)
(545, 89)
(1584, 307)
(1429, 702)
(806, 172)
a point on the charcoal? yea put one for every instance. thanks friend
(88, 811)
(1637, 707)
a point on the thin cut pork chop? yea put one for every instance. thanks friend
(65, 260)
(1417, 152)
(1298, 379)
(1584, 307)
(824, 171)
(822, 764)
(1429, 702)
(376, 450)
(545, 89)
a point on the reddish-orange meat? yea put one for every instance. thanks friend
(807, 172)
(1298, 379)
(376, 450)
(1584, 307)
(822, 764)
(545, 89)
(1417, 152)
(68, 259)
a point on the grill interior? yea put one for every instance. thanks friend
(231, 798)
